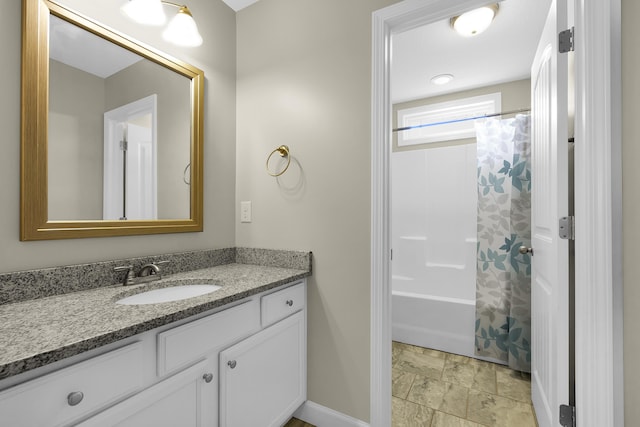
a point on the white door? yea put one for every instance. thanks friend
(141, 191)
(549, 284)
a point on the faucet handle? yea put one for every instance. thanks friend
(130, 276)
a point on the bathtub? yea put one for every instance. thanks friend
(436, 322)
(431, 321)
(433, 303)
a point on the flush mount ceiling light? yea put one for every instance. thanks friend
(441, 79)
(475, 21)
(181, 30)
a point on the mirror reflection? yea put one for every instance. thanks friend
(111, 132)
(119, 131)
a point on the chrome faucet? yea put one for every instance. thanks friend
(148, 273)
(150, 270)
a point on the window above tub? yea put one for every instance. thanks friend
(447, 119)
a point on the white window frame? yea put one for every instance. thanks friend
(443, 112)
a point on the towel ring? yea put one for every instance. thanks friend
(283, 150)
(184, 174)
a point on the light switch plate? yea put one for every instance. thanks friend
(245, 211)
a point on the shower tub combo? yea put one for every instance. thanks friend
(434, 223)
(426, 312)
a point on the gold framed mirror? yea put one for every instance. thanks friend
(111, 132)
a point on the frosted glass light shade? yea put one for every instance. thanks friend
(475, 21)
(147, 12)
(182, 29)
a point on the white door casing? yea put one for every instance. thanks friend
(549, 202)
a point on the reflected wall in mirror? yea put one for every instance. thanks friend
(109, 128)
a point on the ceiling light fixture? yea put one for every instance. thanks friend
(441, 79)
(475, 21)
(181, 30)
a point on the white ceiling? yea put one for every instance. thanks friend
(85, 51)
(502, 53)
(239, 4)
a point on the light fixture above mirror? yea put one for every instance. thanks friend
(181, 30)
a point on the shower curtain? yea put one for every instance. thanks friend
(503, 287)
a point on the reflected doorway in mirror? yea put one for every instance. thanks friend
(130, 161)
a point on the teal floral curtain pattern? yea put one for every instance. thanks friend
(503, 287)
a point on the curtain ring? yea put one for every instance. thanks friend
(283, 150)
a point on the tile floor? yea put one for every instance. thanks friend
(435, 389)
(294, 422)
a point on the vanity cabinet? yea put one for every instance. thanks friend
(189, 394)
(181, 400)
(58, 398)
(263, 378)
(241, 366)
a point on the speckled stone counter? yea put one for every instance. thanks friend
(36, 332)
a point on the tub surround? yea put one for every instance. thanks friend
(71, 311)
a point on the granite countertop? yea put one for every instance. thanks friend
(37, 332)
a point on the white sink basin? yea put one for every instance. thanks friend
(173, 293)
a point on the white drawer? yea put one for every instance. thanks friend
(186, 344)
(48, 400)
(281, 304)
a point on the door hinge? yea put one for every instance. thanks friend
(566, 227)
(566, 41)
(567, 416)
(124, 145)
(391, 254)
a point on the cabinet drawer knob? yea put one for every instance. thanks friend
(74, 398)
(232, 364)
(207, 377)
(290, 302)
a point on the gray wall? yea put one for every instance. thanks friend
(217, 57)
(304, 80)
(631, 206)
(76, 104)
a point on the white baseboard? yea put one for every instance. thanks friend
(321, 416)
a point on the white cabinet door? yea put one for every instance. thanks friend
(263, 378)
(186, 399)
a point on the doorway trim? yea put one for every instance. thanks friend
(598, 204)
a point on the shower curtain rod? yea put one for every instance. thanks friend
(502, 113)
